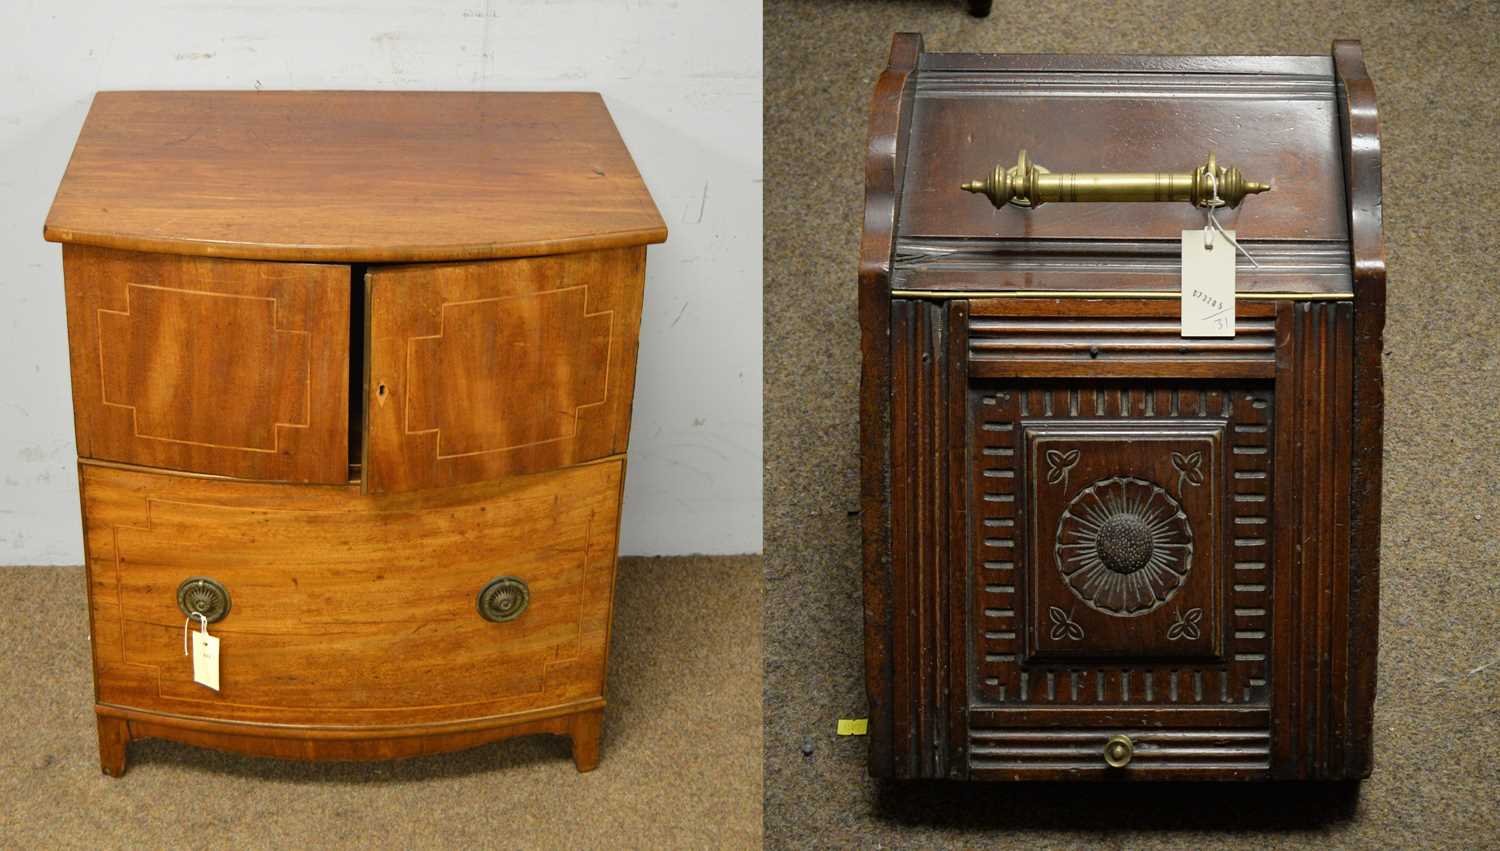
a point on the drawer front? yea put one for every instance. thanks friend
(483, 370)
(227, 367)
(347, 609)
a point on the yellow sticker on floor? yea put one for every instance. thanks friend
(853, 726)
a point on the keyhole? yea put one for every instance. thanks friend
(380, 391)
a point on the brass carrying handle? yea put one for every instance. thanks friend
(1027, 184)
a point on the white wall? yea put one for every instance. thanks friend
(683, 80)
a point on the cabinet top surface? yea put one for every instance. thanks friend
(352, 176)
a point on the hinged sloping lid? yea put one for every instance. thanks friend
(1273, 117)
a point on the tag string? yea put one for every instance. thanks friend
(187, 627)
(1213, 202)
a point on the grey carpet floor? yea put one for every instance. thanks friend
(680, 765)
(1437, 755)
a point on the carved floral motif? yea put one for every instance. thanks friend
(1124, 546)
(1189, 469)
(1063, 625)
(1186, 625)
(1058, 465)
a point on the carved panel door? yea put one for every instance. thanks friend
(1121, 539)
(1100, 529)
(488, 369)
(1121, 547)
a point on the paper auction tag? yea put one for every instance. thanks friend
(1207, 283)
(206, 659)
(853, 726)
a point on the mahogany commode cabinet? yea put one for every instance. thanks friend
(352, 378)
(1096, 547)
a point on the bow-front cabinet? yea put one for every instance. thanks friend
(352, 378)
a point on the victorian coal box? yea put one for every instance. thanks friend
(352, 378)
(1121, 416)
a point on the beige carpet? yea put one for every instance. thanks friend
(680, 763)
(1437, 777)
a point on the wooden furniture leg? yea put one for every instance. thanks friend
(114, 740)
(587, 728)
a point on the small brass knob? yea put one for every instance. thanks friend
(1118, 751)
(504, 599)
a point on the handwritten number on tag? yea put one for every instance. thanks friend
(1207, 284)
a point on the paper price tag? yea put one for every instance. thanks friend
(1207, 283)
(206, 660)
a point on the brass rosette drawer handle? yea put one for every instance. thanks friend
(1027, 184)
(1118, 751)
(504, 599)
(204, 596)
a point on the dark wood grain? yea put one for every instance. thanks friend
(1123, 266)
(964, 123)
(1250, 66)
(957, 573)
(921, 530)
(1248, 717)
(1111, 338)
(885, 163)
(352, 176)
(1177, 753)
(1360, 128)
(1314, 392)
(1149, 311)
(1121, 460)
(1119, 428)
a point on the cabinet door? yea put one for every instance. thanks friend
(1086, 543)
(1121, 541)
(227, 367)
(1121, 553)
(483, 370)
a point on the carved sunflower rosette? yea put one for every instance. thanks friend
(1136, 537)
(1124, 546)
